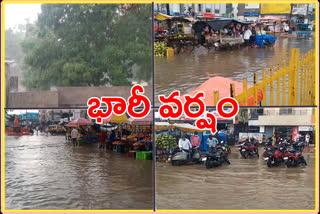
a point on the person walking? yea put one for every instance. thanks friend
(74, 136)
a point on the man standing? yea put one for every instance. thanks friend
(246, 36)
(74, 136)
(184, 143)
(195, 140)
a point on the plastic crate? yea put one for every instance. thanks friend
(132, 154)
(144, 155)
(118, 148)
(80, 142)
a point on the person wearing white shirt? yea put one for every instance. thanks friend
(184, 143)
(246, 36)
(212, 141)
(74, 136)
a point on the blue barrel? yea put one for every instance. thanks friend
(290, 31)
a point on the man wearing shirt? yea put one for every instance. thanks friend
(212, 141)
(74, 136)
(184, 143)
(246, 36)
(195, 140)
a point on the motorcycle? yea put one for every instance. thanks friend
(182, 157)
(294, 158)
(248, 150)
(215, 158)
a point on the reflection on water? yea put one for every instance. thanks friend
(48, 173)
(187, 71)
(244, 184)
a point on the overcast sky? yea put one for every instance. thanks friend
(16, 13)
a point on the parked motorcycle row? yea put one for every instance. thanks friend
(215, 157)
(282, 153)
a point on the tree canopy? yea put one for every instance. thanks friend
(88, 45)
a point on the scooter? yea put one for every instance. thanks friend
(182, 157)
(215, 158)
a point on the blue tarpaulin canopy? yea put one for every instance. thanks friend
(260, 39)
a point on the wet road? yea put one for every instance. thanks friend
(187, 71)
(48, 173)
(244, 184)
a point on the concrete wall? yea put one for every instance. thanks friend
(41, 99)
(67, 96)
(78, 96)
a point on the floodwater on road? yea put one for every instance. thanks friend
(187, 71)
(49, 173)
(244, 184)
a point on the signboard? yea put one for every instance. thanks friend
(298, 11)
(306, 128)
(256, 135)
(252, 6)
(76, 114)
(208, 15)
(251, 14)
(261, 129)
(253, 123)
(267, 8)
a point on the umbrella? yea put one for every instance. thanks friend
(162, 126)
(188, 127)
(116, 119)
(80, 122)
(143, 121)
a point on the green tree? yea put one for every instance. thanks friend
(88, 45)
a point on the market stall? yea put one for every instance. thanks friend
(86, 133)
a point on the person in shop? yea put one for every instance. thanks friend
(112, 137)
(307, 139)
(212, 142)
(185, 145)
(246, 36)
(74, 136)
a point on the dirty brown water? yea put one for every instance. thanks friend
(49, 173)
(244, 184)
(187, 71)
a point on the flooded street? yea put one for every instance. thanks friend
(49, 173)
(187, 71)
(244, 184)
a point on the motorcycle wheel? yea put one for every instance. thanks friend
(227, 161)
(175, 163)
(303, 161)
(246, 154)
(208, 165)
(269, 164)
(289, 163)
(228, 150)
(243, 155)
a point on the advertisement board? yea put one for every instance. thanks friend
(267, 8)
